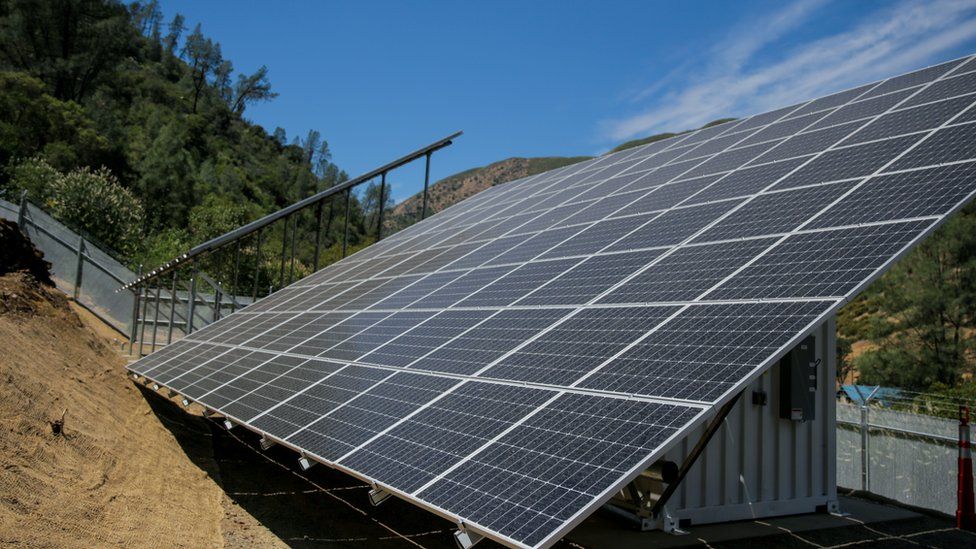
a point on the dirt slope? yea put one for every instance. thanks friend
(117, 477)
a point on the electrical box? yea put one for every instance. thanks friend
(798, 382)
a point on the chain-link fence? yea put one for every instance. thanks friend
(79, 268)
(91, 275)
(908, 457)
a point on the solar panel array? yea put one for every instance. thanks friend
(513, 361)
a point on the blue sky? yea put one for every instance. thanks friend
(380, 79)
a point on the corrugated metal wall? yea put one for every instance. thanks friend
(758, 464)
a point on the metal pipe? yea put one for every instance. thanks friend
(142, 331)
(423, 214)
(172, 309)
(156, 319)
(284, 249)
(237, 267)
(294, 231)
(379, 221)
(135, 312)
(302, 204)
(699, 447)
(22, 212)
(318, 235)
(192, 302)
(79, 267)
(345, 223)
(257, 266)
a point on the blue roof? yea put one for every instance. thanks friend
(881, 394)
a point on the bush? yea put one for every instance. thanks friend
(94, 202)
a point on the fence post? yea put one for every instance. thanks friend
(965, 506)
(79, 267)
(159, 288)
(135, 311)
(22, 212)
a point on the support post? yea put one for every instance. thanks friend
(134, 329)
(345, 223)
(423, 213)
(318, 236)
(237, 268)
(142, 330)
(865, 438)
(693, 456)
(192, 301)
(79, 268)
(172, 308)
(156, 317)
(294, 231)
(379, 222)
(284, 250)
(218, 302)
(257, 265)
(965, 506)
(22, 212)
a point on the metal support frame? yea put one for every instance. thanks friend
(237, 268)
(466, 539)
(305, 463)
(294, 231)
(172, 309)
(695, 453)
(142, 330)
(22, 212)
(345, 223)
(379, 216)
(192, 301)
(217, 243)
(156, 319)
(318, 235)
(284, 250)
(257, 265)
(79, 268)
(865, 437)
(266, 443)
(377, 496)
(134, 329)
(423, 213)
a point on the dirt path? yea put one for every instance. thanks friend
(119, 476)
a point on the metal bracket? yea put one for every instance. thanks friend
(266, 443)
(155, 386)
(669, 525)
(833, 508)
(305, 463)
(466, 539)
(228, 424)
(697, 451)
(378, 495)
(186, 402)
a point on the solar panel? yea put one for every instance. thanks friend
(516, 359)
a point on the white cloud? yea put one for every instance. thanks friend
(731, 80)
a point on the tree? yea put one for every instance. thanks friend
(70, 44)
(927, 308)
(95, 202)
(204, 58)
(167, 178)
(172, 38)
(252, 89)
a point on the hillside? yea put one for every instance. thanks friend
(457, 187)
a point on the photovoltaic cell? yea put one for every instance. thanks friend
(514, 360)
